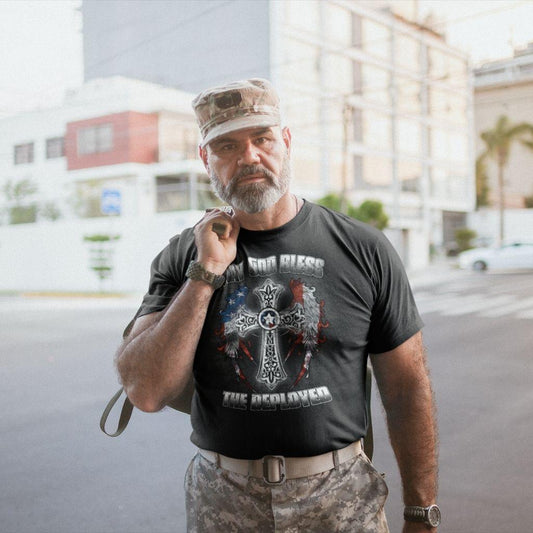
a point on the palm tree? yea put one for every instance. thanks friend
(482, 182)
(498, 143)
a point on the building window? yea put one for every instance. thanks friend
(184, 191)
(375, 84)
(371, 172)
(338, 73)
(23, 153)
(338, 23)
(95, 139)
(409, 174)
(190, 143)
(55, 147)
(409, 136)
(376, 130)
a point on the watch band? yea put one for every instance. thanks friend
(430, 516)
(197, 272)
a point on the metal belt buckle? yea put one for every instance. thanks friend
(277, 476)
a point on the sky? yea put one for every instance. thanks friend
(41, 42)
(40, 50)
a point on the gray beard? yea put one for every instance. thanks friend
(253, 197)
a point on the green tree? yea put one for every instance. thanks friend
(464, 238)
(49, 211)
(332, 201)
(370, 211)
(482, 183)
(498, 142)
(17, 194)
(101, 255)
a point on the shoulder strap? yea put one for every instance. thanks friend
(368, 441)
(125, 414)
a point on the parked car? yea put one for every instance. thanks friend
(515, 255)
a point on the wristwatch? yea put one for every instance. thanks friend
(428, 515)
(197, 272)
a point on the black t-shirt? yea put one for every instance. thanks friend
(280, 365)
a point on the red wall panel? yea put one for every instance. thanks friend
(135, 140)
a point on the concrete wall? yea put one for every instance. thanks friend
(54, 257)
(518, 224)
(412, 246)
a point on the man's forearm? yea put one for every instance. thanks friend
(413, 434)
(155, 365)
(405, 390)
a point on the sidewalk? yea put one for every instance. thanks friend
(35, 301)
(440, 271)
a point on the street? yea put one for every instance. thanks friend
(60, 474)
(478, 336)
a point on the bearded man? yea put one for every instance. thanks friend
(273, 309)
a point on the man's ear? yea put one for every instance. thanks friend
(202, 152)
(287, 138)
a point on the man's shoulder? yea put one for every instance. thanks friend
(361, 231)
(178, 245)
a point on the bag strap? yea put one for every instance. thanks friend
(368, 441)
(125, 414)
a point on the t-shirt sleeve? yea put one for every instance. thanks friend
(395, 317)
(167, 275)
(164, 283)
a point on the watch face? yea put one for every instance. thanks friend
(434, 516)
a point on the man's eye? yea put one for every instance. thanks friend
(261, 140)
(226, 147)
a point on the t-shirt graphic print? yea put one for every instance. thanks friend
(302, 320)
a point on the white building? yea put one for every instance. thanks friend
(379, 107)
(405, 99)
(115, 154)
(505, 87)
(401, 93)
(119, 134)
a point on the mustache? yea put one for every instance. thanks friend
(252, 169)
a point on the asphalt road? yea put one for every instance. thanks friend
(60, 474)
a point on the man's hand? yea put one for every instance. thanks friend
(216, 240)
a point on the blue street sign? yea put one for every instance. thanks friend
(110, 202)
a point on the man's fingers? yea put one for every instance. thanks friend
(219, 228)
(220, 221)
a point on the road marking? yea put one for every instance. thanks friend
(508, 309)
(465, 306)
(437, 304)
(60, 304)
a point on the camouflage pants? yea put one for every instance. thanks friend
(347, 499)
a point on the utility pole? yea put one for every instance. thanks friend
(346, 121)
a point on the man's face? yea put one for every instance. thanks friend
(249, 169)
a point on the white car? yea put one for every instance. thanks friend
(515, 255)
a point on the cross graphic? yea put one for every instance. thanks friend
(240, 321)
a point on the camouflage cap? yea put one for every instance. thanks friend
(236, 106)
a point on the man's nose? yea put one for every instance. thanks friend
(249, 154)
